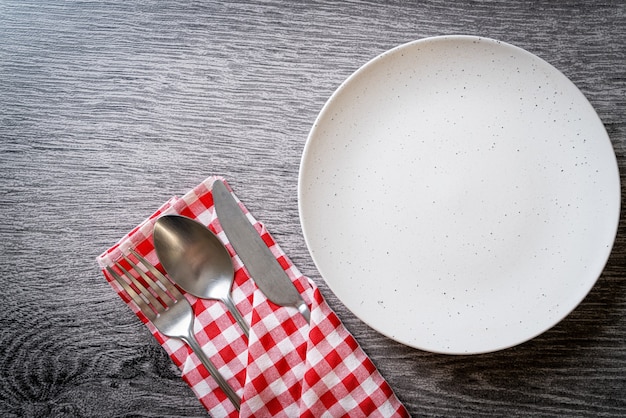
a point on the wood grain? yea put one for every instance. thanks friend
(109, 108)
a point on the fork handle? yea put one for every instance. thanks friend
(222, 383)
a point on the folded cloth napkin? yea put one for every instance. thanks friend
(286, 368)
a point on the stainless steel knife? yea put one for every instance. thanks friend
(256, 256)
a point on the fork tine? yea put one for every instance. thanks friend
(141, 303)
(158, 288)
(144, 292)
(164, 281)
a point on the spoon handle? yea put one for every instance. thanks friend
(230, 304)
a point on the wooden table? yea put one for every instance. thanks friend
(109, 108)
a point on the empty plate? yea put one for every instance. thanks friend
(459, 194)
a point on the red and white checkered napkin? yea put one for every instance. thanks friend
(287, 368)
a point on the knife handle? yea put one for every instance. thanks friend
(304, 310)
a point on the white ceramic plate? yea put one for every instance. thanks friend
(459, 194)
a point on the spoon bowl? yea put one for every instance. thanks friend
(196, 260)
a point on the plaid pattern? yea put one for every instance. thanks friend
(286, 368)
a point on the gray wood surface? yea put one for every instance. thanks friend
(109, 108)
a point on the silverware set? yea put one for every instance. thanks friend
(196, 260)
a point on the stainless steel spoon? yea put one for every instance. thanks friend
(196, 260)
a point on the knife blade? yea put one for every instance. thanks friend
(255, 255)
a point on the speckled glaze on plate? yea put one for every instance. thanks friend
(459, 194)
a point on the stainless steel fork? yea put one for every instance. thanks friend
(163, 304)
